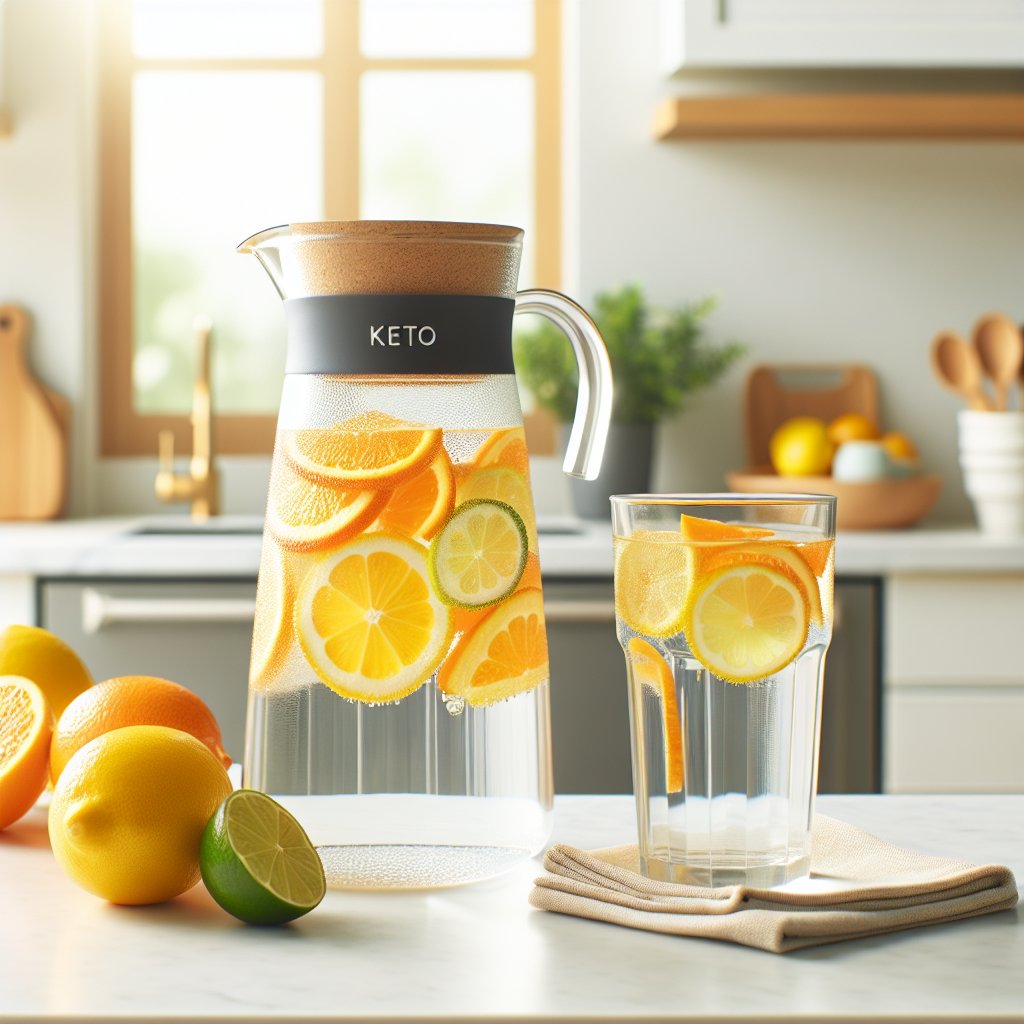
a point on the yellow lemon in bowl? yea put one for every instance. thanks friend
(801, 447)
(129, 810)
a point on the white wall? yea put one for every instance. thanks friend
(826, 251)
(838, 252)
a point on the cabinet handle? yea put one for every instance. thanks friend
(579, 611)
(100, 610)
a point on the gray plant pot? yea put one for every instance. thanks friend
(625, 469)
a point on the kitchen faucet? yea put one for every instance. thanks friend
(201, 486)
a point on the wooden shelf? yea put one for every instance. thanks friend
(843, 116)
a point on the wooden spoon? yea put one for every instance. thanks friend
(958, 368)
(1000, 349)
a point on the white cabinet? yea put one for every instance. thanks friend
(842, 33)
(954, 683)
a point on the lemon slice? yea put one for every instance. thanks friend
(368, 620)
(746, 622)
(652, 570)
(479, 556)
(650, 669)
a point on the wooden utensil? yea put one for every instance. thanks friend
(1000, 349)
(958, 368)
(33, 442)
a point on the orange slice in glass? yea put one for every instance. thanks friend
(505, 654)
(306, 516)
(505, 448)
(710, 530)
(368, 620)
(651, 669)
(26, 727)
(421, 505)
(372, 449)
(746, 621)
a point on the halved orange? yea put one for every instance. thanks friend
(745, 622)
(368, 621)
(421, 504)
(26, 728)
(652, 573)
(505, 654)
(650, 669)
(372, 449)
(306, 516)
(505, 448)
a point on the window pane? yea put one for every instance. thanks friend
(446, 28)
(449, 145)
(227, 28)
(216, 157)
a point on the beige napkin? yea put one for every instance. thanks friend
(860, 885)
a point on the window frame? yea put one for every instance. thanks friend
(124, 431)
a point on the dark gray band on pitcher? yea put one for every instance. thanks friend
(399, 334)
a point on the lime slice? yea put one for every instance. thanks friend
(479, 556)
(258, 863)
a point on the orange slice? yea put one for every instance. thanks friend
(26, 728)
(650, 669)
(697, 529)
(272, 634)
(372, 449)
(421, 505)
(505, 654)
(815, 553)
(368, 620)
(499, 483)
(505, 448)
(652, 570)
(780, 557)
(307, 516)
(746, 622)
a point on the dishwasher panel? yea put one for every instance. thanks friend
(194, 634)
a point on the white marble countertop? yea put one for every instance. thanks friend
(568, 548)
(481, 951)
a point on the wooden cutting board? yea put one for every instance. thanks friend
(33, 431)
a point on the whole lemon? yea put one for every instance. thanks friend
(128, 813)
(801, 447)
(39, 655)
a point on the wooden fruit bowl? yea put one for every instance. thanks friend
(875, 505)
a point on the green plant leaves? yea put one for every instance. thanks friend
(659, 357)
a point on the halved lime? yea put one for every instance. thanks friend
(257, 861)
(479, 555)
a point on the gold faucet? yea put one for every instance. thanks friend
(202, 484)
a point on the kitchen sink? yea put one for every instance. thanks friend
(182, 526)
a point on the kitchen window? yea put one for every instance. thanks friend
(223, 117)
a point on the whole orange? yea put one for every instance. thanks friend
(132, 700)
(899, 446)
(852, 426)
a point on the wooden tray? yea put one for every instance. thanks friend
(776, 393)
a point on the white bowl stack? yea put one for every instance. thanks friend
(992, 459)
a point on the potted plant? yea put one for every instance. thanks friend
(659, 358)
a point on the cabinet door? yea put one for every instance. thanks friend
(195, 635)
(842, 33)
(589, 706)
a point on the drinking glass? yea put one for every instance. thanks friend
(723, 608)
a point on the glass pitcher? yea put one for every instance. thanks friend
(398, 691)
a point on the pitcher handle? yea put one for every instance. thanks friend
(589, 430)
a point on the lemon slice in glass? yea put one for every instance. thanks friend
(746, 621)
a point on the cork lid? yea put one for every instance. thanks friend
(376, 257)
